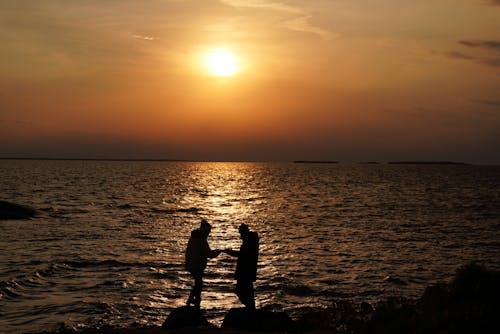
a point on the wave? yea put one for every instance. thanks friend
(22, 286)
(395, 280)
(164, 275)
(143, 236)
(299, 290)
(117, 263)
(63, 210)
(173, 211)
(290, 288)
(125, 206)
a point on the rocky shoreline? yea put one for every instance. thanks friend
(468, 304)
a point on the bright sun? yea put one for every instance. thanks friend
(221, 63)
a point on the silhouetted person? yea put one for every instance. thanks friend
(246, 266)
(197, 254)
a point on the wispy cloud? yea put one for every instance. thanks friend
(19, 122)
(491, 103)
(486, 52)
(263, 5)
(143, 37)
(495, 62)
(300, 18)
(491, 45)
(302, 24)
(459, 55)
(488, 2)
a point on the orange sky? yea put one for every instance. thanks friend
(346, 80)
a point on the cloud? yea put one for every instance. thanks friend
(491, 103)
(488, 2)
(15, 122)
(44, 39)
(459, 55)
(491, 45)
(146, 38)
(491, 62)
(302, 24)
(300, 18)
(263, 5)
(486, 53)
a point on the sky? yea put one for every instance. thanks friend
(348, 80)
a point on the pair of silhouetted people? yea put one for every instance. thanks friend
(198, 252)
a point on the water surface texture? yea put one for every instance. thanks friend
(108, 244)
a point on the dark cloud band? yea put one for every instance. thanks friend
(492, 45)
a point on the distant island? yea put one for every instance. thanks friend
(315, 162)
(426, 163)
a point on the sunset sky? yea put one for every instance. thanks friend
(349, 80)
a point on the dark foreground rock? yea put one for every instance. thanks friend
(185, 316)
(258, 320)
(10, 210)
(469, 304)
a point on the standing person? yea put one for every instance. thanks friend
(246, 266)
(197, 254)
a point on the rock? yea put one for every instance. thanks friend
(316, 320)
(365, 308)
(435, 297)
(15, 211)
(258, 320)
(185, 316)
(394, 280)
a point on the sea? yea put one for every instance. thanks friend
(107, 245)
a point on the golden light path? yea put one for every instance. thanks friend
(221, 62)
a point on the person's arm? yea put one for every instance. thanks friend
(209, 253)
(231, 252)
(214, 253)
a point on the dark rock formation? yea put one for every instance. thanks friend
(15, 211)
(469, 304)
(258, 320)
(185, 316)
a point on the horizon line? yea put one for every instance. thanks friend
(330, 162)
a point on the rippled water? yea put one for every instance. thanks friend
(108, 244)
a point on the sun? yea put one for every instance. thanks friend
(221, 62)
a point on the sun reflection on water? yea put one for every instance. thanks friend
(224, 194)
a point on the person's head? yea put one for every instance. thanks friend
(243, 229)
(205, 227)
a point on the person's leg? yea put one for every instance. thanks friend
(192, 293)
(245, 293)
(195, 294)
(198, 286)
(251, 296)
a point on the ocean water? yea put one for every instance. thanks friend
(108, 244)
